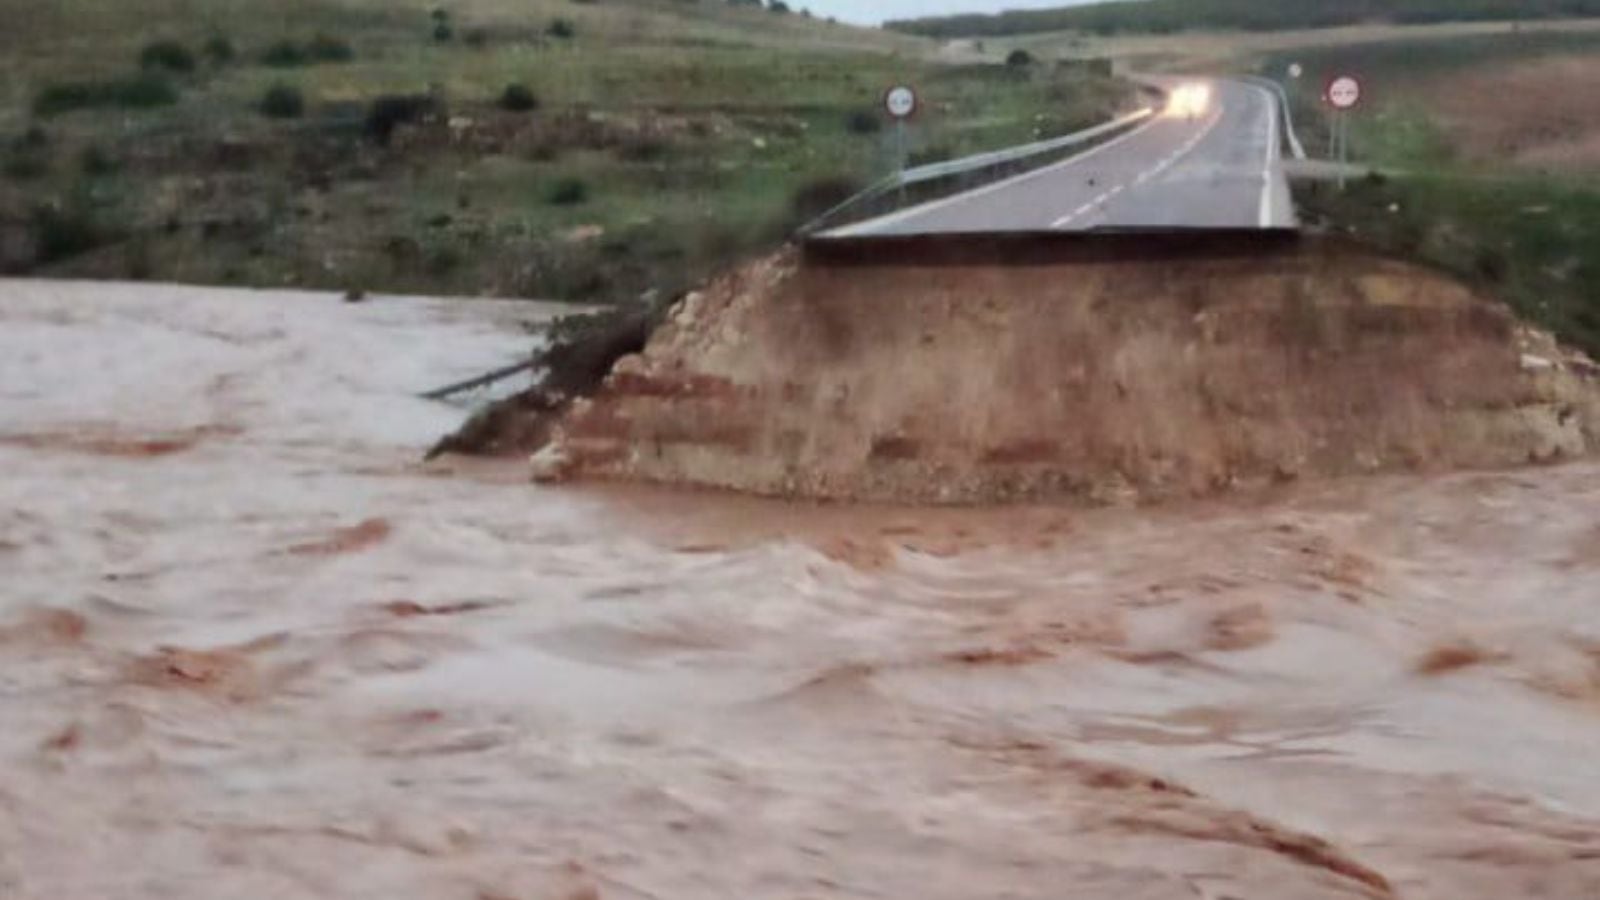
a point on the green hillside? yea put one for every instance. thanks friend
(1167, 16)
(583, 149)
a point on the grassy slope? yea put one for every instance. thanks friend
(691, 124)
(1528, 235)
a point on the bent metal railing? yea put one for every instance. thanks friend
(995, 159)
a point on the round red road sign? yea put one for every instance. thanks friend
(900, 101)
(1344, 92)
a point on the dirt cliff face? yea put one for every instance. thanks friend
(1108, 378)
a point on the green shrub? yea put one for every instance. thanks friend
(477, 38)
(96, 161)
(27, 157)
(328, 49)
(1019, 59)
(569, 191)
(219, 50)
(393, 110)
(60, 232)
(562, 29)
(863, 121)
(283, 101)
(24, 166)
(443, 33)
(145, 91)
(285, 55)
(168, 55)
(518, 98)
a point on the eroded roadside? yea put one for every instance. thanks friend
(251, 648)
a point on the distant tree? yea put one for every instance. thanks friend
(169, 55)
(283, 102)
(390, 111)
(562, 29)
(284, 55)
(568, 191)
(326, 48)
(1019, 59)
(220, 50)
(518, 98)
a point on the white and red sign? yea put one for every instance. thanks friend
(1344, 92)
(900, 101)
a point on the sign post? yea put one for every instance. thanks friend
(1343, 94)
(901, 103)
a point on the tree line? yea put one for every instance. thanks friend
(1167, 16)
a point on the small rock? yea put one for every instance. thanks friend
(584, 234)
(549, 464)
(631, 364)
(689, 309)
(1531, 363)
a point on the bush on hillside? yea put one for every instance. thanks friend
(144, 91)
(24, 165)
(96, 161)
(863, 121)
(284, 55)
(390, 111)
(168, 55)
(64, 231)
(220, 51)
(518, 98)
(562, 29)
(1019, 59)
(328, 49)
(569, 191)
(283, 101)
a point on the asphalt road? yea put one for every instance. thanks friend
(1218, 167)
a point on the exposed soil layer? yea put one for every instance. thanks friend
(1130, 368)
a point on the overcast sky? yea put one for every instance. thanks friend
(871, 12)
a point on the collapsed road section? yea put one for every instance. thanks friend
(1128, 367)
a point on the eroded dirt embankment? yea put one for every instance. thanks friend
(1103, 372)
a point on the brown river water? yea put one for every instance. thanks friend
(250, 648)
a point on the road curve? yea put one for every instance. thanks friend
(1219, 168)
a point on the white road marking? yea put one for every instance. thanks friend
(1166, 163)
(874, 225)
(1265, 219)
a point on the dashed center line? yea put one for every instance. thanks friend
(1166, 163)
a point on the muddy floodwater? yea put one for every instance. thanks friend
(250, 647)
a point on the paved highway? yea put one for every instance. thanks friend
(1214, 163)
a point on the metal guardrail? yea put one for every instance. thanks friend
(1288, 114)
(953, 167)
